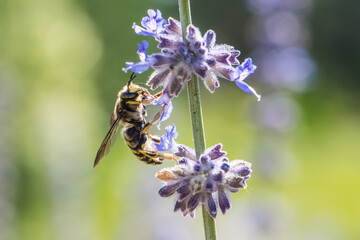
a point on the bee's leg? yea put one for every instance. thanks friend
(155, 138)
(155, 119)
(157, 156)
(167, 156)
(157, 95)
(152, 155)
(147, 101)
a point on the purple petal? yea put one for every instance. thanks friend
(246, 88)
(142, 31)
(167, 41)
(197, 167)
(214, 152)
(224, 70)
(151, 13)
(210, 38)
(233, 58)
(225, 167)
(211, 206)
(193, 34)
(180, 205)
(153, 24)
(244, 70)
(193, 202)
(218, 177)
(157, 78)
(138, 67)
(164, 145)
(174, 27)
(145, 62)
(235, 181)
(160, 60)
(222, 57)
(243, 182)
(176, 80)
(243, 171)
(200, 70)
(204, 159)
(183, 161)
(171, 132)
(224, 202)
(184, 188)
(167, 142)
(211, 62)
(142, 50)
(185, 152)
(210, 185)
(184, 191)
(168, 190)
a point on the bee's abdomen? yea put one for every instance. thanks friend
(142, 157)
(133, 137)
(136, 140)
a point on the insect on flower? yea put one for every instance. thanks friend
(130, 112)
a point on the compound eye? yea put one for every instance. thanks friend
(129, 95)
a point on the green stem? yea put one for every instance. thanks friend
(196, 116)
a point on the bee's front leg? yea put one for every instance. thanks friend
(151, 98)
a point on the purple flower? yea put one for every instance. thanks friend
(207, 180)
(167, 142)
(243, 71)
(145, 60)
(152, 25)
(198, 55)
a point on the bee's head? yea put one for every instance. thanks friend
(130, 89)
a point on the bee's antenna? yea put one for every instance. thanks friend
(131, 78)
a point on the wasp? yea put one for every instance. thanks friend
(130, 112)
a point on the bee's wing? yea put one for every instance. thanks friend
(108, 141)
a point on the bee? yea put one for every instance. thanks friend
(130, 112)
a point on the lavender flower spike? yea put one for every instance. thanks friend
(243, 71)
(200, 181)
(198, 55)
(145, 60)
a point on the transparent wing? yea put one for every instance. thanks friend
(108, 141)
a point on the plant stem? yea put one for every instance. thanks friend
(196, 116)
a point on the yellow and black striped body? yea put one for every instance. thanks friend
(130, 112)
(140, 142)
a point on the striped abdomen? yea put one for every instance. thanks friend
(139, 143)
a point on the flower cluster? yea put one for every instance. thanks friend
(207, 180)
(180, 57)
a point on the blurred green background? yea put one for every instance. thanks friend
(60, 71)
